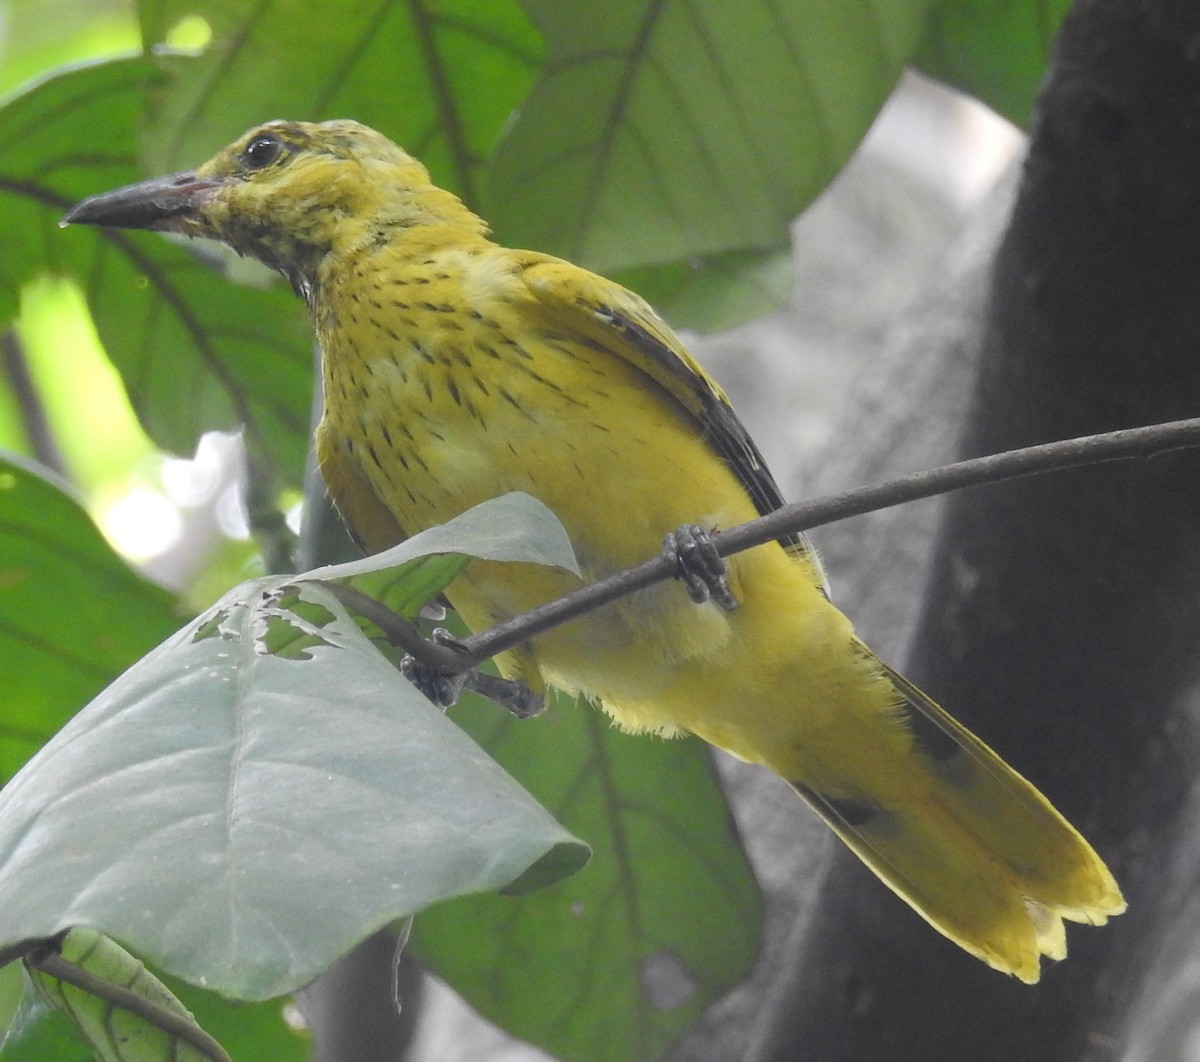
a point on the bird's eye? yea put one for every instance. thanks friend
(262, 151)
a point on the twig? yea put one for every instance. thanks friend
(399, 631)
(21, 948)
(62, 969)
(1143, 442)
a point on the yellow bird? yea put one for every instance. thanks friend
(456, 370)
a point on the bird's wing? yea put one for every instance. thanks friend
(624, 324)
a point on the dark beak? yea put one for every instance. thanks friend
(164, 203)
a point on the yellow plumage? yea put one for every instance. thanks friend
(456, 370)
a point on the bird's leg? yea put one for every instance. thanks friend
(699, 565)
(444, 688)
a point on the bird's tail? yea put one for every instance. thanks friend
(977, 850)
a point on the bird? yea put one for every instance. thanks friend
(455, 369)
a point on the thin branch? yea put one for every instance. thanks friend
(399, 631)
(1144, 442)
(176, 1025)
(21, 948)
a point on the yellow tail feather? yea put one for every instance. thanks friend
(979, 853)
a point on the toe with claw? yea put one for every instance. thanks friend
(443, 688)
(437, 686)
(699, 565)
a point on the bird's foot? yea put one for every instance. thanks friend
(699, 565)
(443, 688)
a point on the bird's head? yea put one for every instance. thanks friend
(286, 193)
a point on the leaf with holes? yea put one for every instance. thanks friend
(264, 790)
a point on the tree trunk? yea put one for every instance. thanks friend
(1061, 621)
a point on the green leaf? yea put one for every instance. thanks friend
(615, 962)
(197, 353)
(40, 35)
(39, 1033)
(55, 140)
(12, 994)
(668, 130)
(114, 1032)
(513, 527)
(711, 294)
(996, 50)
(194, 351)
(247, 1031)
(407, 586)
(242, 817)
(72, 613)
(440, 78)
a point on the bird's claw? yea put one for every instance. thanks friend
(698, 564)
(441, 687)
(444, 689)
